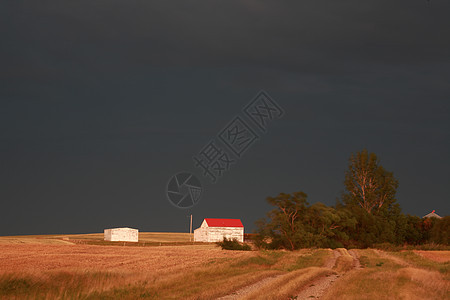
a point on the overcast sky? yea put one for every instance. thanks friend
(102, 102)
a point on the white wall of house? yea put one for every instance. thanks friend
(121, 235)
(216, 234)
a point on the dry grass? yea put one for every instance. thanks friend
(112, 272)
(414, 259)
(31, 257)
(288, 285)
(425, 283)
(32, 268)
(48, 269)
(27, 240)
(388, 277)
(437, 256)
(164, 237)
(145, 238)
(308, 258)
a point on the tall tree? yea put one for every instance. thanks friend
(368, 184)
(284, 218)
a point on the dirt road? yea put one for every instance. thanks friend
(313, 290)
(318, 286)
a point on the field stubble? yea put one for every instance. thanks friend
(54, 267)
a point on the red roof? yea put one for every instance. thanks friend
(224, 222)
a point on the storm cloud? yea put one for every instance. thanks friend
(101, 102)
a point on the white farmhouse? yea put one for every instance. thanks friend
(124, 234)
(432, 215)
(215, 230)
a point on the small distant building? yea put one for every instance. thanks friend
(432, 215)
(124, 234)
(215, 230)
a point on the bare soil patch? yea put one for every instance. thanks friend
(318, 287)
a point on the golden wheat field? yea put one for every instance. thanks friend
(168, 266)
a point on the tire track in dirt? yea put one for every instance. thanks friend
(356, 262)
(319, 286)
(316, 288)
(250, 288)
(330, 263)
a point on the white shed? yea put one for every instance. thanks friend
(215, 230)
(124, 234)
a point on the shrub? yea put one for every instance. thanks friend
(233, 244)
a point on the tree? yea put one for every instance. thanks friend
(293, 224)
(413, 230)
(440, 232)
(285, 215)
(368, 184)
(328, 225)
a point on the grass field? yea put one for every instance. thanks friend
(395, 275)
(145, 239)
(168, 266)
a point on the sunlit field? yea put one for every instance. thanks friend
(145, 239)
(396, 275)
(169, 266)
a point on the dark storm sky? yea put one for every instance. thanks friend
(101, 102)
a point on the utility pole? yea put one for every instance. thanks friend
(190, 230)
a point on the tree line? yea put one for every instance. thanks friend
(366, 214)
